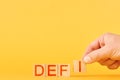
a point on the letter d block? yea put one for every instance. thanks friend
(39, 70)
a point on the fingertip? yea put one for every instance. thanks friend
(87, 59)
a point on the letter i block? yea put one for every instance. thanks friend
(39, 70)
(51, 70)
(64, 70)
(79, 66)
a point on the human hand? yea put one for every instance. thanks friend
(105, 50)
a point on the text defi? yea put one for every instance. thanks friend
(58, 69)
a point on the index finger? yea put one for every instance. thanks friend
(97, 44)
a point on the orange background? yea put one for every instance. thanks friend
(53, 32)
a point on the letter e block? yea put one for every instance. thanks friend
(51, 70)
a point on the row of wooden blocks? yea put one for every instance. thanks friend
(58, 69)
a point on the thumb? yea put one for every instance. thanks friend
(97, 55)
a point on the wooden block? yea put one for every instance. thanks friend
(39, 70)
(83, 66)
(64, 70)
(51, 70)
(76, 66)
(79, 66)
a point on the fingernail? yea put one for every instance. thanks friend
(87, 59)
